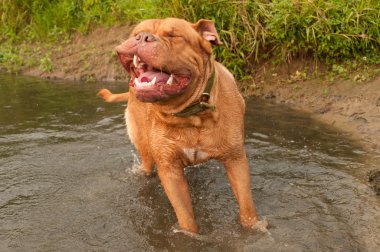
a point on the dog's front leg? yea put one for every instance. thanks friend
(239, 177)
(177, 189)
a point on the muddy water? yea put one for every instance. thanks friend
(68, 181)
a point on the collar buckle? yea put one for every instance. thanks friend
(204, 97)
(202, 103)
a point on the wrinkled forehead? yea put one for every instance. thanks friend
(165, 27)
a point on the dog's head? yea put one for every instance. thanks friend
(166, 57)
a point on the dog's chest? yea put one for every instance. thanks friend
(195, 155)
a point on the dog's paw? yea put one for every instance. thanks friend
(261, 225)
(190, 234)
(256, 224)
(139, 170)
(104, 93)
(145, 172)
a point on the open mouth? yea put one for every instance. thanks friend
(152, 84)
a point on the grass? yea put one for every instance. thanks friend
(46, 65)
(334, 32)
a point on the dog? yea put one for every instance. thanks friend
(184, 108)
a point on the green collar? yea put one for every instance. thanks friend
(202, 104)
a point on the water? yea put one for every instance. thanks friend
(68, 181)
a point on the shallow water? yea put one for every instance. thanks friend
(68, 181)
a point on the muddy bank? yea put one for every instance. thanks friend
(85, 58)
(349, 105)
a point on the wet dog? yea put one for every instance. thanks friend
(184, 108)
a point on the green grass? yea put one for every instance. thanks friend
(46, 65)
(332, 31)
(52, 20)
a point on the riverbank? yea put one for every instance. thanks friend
(352, 106)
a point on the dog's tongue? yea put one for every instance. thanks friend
(161, 77)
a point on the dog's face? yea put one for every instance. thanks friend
(165, 57)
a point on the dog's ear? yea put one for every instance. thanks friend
(206, 28)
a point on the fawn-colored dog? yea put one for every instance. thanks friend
(184, 108)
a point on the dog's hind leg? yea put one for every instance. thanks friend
(147, 161)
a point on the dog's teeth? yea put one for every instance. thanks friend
(153, 81)
(170, 80)
(145, 84)
(135, 60)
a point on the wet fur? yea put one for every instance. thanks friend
(172, 143)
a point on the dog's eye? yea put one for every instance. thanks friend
(172, 35)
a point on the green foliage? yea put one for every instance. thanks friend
(330, 31)
(52, 20)
(13, 59)
(46, 65)
(10, 60)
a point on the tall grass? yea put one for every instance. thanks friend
(280, 30)
(49, 20)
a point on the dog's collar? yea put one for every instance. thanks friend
(202, 103)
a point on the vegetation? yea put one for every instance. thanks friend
(52, 20)
(332, 31)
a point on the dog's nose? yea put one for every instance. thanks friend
(145, 37)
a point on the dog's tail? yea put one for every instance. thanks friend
(110, 97)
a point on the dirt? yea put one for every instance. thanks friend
(87, 58)
(351, 106)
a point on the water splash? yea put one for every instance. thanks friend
(190, 234)
(262, 226)
(135, 168)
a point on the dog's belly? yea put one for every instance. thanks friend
(195, 156)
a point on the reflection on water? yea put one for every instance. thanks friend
(68, 183)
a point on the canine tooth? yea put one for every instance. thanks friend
(170, 80)
(135, 60)
(137, 82)
(153, 81)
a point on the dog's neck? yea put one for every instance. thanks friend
(202, 103)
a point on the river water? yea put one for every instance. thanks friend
(68, 181)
